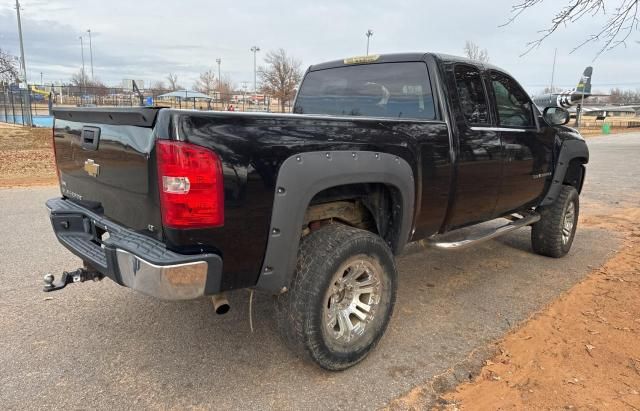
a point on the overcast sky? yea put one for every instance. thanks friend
(146, 39)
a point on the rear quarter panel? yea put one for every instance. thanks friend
(253, 146)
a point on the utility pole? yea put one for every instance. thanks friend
(553, 71)
(91, 54)
(41, 82)
(255, 50)
(369, 33)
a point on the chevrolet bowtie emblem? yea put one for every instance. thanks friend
(92, 168)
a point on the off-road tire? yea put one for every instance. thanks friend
(547, 233)
(300, 311)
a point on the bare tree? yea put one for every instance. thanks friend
(549, 90)
(623, 20)
(8, 68)
(472, 51)
(281, 76)
(172, 79)
(94, 87)
(206, 83)
(226, 89)
(618, 96)
(80, 79)
(159, 86)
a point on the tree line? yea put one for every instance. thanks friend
(279, 78)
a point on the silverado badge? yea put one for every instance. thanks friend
(92, 168)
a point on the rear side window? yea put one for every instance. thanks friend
(473, 100)
(391, 90)
(512, 103)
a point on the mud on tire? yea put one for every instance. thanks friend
(341, 298)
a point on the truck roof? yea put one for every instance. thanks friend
(396, 58)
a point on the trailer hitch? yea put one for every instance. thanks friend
(78, 276)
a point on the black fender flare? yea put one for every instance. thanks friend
(301, 177)
(569, 150)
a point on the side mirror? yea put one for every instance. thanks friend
(556, 116)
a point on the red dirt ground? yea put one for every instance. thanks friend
(26, 157)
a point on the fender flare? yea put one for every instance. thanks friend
(304, 175)
(570, 149)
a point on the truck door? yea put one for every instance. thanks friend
(526, 147)
(479, 148)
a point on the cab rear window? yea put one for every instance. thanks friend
(387, 90)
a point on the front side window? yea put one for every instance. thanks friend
(391, 90)
(512, 103)
(473, 100)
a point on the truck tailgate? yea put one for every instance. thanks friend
(104, 160)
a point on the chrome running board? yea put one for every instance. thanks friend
(518, 221)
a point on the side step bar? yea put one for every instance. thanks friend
(519, 221)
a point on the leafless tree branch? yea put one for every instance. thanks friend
(281, 76)
(473, 51)
(623, 20)
(8, 68)
(206, 83)
(172, 79)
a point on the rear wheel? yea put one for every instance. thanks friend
(341, 298)
(553, 234)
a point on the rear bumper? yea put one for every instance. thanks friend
(131, 259)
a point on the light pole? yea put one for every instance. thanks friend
(369, 33)
(255, 50)
(219, 60)
(553, 70)
(41, 82)
(26, 96)
(91, 54)
(581, 107)
(244, 93)
(22, 61)
(82, 52)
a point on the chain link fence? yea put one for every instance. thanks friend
(33, 107)
(15, 107)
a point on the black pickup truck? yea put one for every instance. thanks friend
(313, 206)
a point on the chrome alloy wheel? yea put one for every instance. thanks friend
(568, 222)
(352, 299)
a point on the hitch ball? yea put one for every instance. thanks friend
(48, 280)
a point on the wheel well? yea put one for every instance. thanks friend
(575, 173)
(374, 207)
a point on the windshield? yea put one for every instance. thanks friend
(392, 90)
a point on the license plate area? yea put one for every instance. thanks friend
(81, 226)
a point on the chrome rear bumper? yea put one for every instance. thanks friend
(132, 259)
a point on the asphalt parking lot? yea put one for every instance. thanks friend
(98, 345)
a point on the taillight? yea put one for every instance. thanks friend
(191, 186)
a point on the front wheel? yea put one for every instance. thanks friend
(341, 298)
(553, 235)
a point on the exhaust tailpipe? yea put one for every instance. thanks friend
(220, 303)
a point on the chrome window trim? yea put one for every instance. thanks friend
(517, 130)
